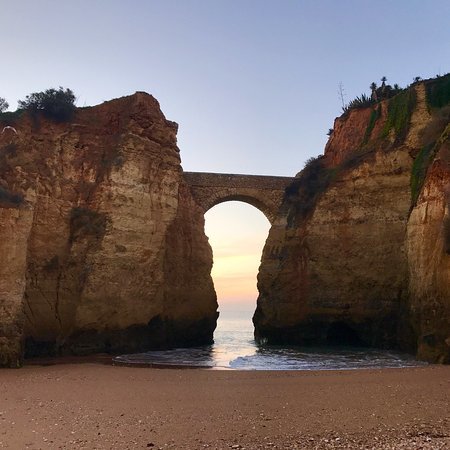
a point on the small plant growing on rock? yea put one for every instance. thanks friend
(3, 105)
(55, 104)
(362, 101)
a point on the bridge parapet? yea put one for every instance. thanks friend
(264, 192)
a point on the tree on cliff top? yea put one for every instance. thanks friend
(3, 105)
(55, 104)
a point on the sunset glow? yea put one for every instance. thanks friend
(237, 233)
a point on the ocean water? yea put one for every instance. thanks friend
(235, 348)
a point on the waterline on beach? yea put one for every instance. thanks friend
(235, 348)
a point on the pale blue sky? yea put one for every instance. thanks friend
(252, 83)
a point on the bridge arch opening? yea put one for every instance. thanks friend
(237, 231)
(250, 200)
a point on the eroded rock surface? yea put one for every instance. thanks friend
(359, 253)
(428, 248)
(102, 246)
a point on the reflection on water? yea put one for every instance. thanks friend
(235, 348)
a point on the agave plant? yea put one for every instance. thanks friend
(362, 101)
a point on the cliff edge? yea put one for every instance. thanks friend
(360, 251)
(102, 246)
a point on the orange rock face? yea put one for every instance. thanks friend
(355, 259)
(91, 212)
(347, 136)
(428, 248)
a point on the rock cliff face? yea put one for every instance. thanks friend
(102, 246)
(428, 249)
(359, 251)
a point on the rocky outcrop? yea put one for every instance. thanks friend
(102, 246)
(428, 248)
(353, 258)
(15, 224)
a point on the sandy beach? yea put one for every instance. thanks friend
(95, 406)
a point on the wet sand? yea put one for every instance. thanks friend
(95, 406)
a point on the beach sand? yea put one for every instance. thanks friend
(95, 406)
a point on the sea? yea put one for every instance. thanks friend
(235, 348)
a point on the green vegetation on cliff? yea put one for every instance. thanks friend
(438, 92)
(307, 187)
(423, 160)
(374, 116)
(10, 117)
(305, 191)
(3, 104)
(384, 92)
(55, 104)
(362, 101)
(419, 170)
(400, 109)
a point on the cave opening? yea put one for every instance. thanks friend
(342, 334)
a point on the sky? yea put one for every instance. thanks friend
(253, 84)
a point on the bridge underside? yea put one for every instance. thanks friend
(263, 192)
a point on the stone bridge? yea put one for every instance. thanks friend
(263, 192)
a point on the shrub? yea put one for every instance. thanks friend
(3, 105)
(10, 117)
(55, 104)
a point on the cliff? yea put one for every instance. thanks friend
(358, 254)
(102, 246)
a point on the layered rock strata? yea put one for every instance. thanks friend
(358, 254)
(102, 246)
